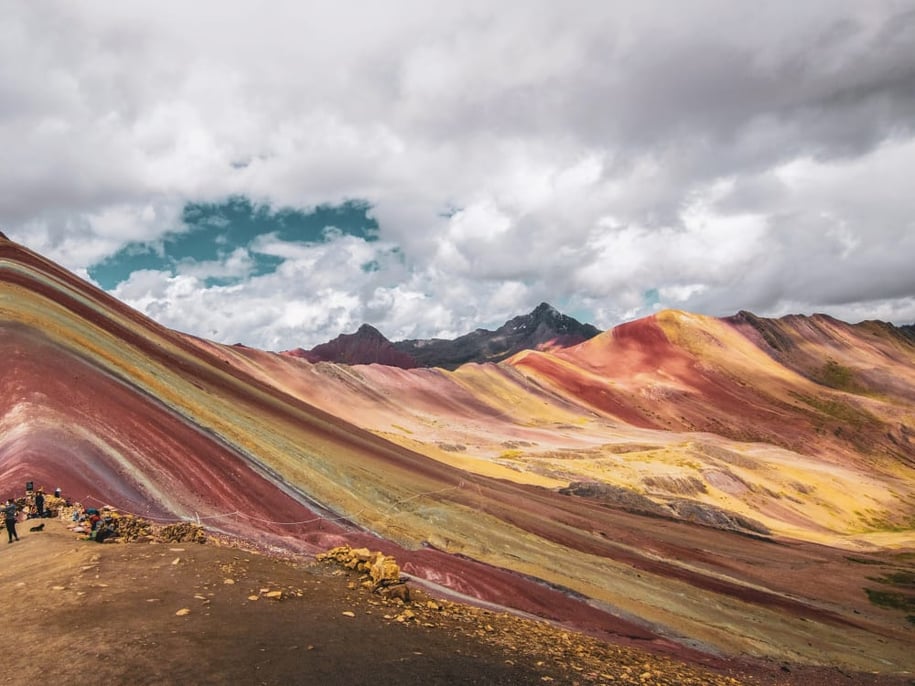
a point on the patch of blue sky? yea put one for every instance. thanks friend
(573, 308)
(651, 298)
(211, 232)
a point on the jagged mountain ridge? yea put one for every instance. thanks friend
(544, 328)
(367, 346)
(460, 474)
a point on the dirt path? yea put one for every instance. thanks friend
(75, 611)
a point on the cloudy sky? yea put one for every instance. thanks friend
(277, 173)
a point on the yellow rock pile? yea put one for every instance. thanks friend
(381, 573)
(52, 504)
(129, 527)
(181, 532)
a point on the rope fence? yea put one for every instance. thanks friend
(239, 513)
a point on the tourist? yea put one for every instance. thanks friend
(10, 513)
(39, 504)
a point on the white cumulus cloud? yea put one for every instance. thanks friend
(610, 158)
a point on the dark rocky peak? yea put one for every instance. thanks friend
(544, 309)
(367, 346)
(545, 315)
(367, 332)
(544, 327)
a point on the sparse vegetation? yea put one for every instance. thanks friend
(622, 448)
(877, 520)
(891, 599)
(452, 447)
(895, 600)
(512, 445)
(905, 579)
(844, 412)
(836, 376)
(863, 560)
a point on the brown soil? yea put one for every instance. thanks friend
(162, 613)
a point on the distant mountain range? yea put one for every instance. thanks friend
(544, 328)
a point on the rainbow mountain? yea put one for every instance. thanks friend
(740, 487)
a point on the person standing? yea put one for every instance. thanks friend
(39, 504)
(10, 515)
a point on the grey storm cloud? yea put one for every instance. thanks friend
(610, 158)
